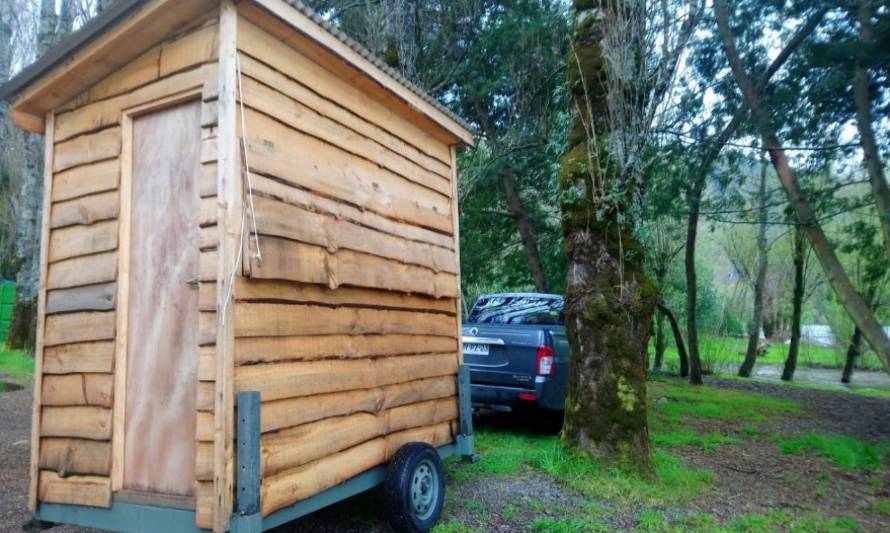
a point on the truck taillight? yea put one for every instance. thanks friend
(545, 360)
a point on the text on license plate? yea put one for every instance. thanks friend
(475, 349)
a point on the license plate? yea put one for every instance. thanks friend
(475, 349)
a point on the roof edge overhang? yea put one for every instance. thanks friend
(106, 43)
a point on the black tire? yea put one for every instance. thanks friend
(416, 467)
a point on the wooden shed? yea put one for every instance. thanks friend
(238, 198)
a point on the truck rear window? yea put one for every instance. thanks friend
(517, 310)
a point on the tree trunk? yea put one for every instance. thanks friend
(759, 282)
(853, 303)
(678, 338)
(796, 304)
(694, 202)
(862, 102)
(609, 300)
(659, 340)
(23, 324)
(852, 353)
(698, 185)
(526, 230)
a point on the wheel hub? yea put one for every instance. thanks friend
(424, 489)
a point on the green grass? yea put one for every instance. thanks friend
(567, 525)
(846, 452)
(453, 525)
(687, 404)
(506, 453)
(725, 354)
(16, 365)
(782, 521)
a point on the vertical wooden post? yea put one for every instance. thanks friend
(229, 216)
(41, 308)
(455, 218)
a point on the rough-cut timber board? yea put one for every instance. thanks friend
(85, 270)
(73, 241)
(79, 327)
(79, 357)
(289, 292)
(76, 422)
(75, 456)
(287, 380)
(85, 210)
(264, 320)
(281, 414)
(283, 220)
(309, 348)
(77, 389)
(314, 264)
(88, 298)
(86, 180)
(88, 148)
(93, 491)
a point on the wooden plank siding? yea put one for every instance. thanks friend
(347, 325)
(74, 439)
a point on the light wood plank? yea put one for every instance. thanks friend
(77, 389)
(289, 292)
(92, 491)
(81, 271)
(85, 180)
(77, 422)
(280, 151)
(279, 219)
(455, 218)
(75, 456)
(74, 241)
(40, 338)
(283, 107)
(138, 72)
(204, 504)
(85, 210)
(79, 357)
(313, 202)
(79, 327)
(269, 320)
(105, 113)
(204, 462)
(99, 297)
(281, 414)
(259, 43)
(288, 380)
(345, 267)
(195, 47)
(89, 148)
(250, 350)
(326, 106)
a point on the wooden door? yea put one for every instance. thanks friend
(162, 330)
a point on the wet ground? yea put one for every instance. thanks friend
(825, 376)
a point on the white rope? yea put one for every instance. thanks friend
(231, 286)
(256, 235)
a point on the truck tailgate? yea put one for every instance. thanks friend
(511, 353)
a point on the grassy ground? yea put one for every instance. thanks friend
(691, 429)
(16, 366)
(725, 354)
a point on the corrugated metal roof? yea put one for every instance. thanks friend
(121, 8)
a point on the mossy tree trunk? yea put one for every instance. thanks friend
(759, 281)
(796, 304)
(609, 299)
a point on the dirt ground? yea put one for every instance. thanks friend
(752, 477)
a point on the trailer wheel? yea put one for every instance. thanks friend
(414, 490)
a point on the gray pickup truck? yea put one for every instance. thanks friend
(515, 345)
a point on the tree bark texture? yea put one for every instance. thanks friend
(678, 338)
(853, 352)
(862, 102)
(694, 202)
(759, 281)
(526, 230)
(837, 277)
(609, 300)
(796, 305)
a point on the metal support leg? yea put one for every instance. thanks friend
(465, 439)
(247, 517)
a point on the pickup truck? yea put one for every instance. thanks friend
(515, 345)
